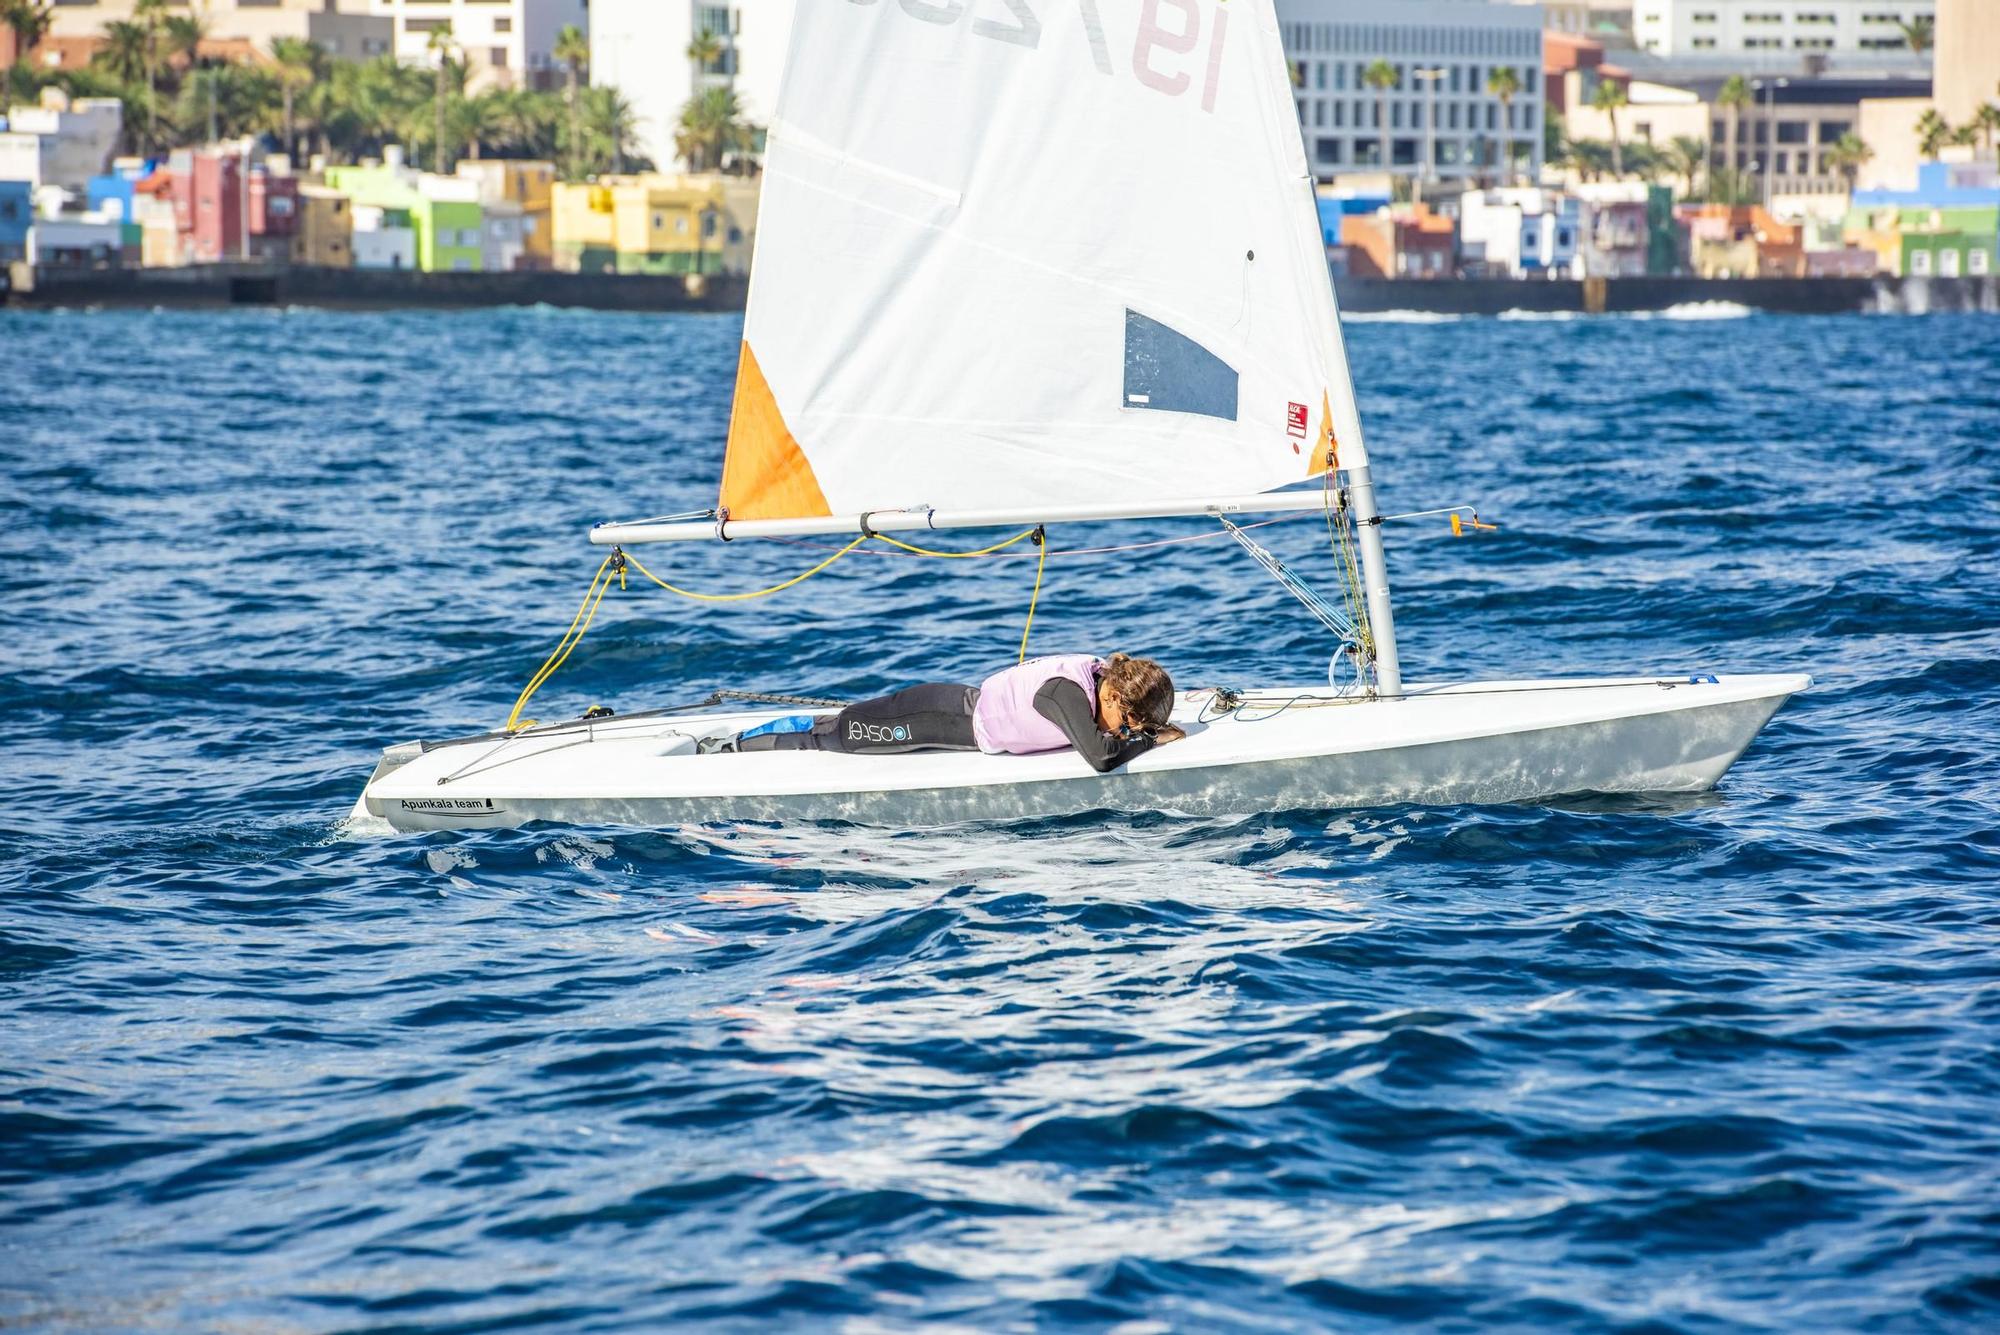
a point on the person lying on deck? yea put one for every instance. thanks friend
(1108, 709)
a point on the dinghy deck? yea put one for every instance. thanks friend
(1283, 748)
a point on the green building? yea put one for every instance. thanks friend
(444, 212)
(1948, 227)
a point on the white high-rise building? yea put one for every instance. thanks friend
(1768, 27)
(504, 43)
(640, 47)
(1443, 54)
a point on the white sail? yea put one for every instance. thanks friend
(1022, 253)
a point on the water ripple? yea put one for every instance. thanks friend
(1693, 1063)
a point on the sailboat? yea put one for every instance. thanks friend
(1038, 262)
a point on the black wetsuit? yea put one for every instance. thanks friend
(938, 717)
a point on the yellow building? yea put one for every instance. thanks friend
(531, 186)
(651, 224)
(325, 235)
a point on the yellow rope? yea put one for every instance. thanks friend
(754, 593)
(1042, 542)
(586, 612)
(615, 564)
(959, 556)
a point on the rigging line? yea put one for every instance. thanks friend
(746, 596)
(468, 769)
(586, 612)
(1277, 704)
(1042, 542)
(1343, 545)
(1328, 616)
(997, 547)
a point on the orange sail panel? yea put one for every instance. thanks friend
(764, 473)
(1326, 454)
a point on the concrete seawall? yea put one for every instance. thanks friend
(372, 289)
(1790, 296)
(375, 289)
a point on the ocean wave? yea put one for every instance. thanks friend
(267, 1064)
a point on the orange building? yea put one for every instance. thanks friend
(1403, 241)
(1743, 241)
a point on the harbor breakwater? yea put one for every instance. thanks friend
(202, 286)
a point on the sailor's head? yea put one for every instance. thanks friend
(1134, 693)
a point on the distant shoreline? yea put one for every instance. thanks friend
(222, 285)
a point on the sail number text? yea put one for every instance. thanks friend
(1166, 55)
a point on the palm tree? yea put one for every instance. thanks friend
(521, 123)
(573, 50)
(1381, 76)
(182, 35)
(1918, 32)
(1987, 118)
(1733, 99)
(30, 20)
(1503, 83)
(440, 46)
(1966, 135)
(609, 127)
(711, 124)
(1848, 157)
(1686, 154)
(1933, 132)
(149, 15)
(705, 51)
(1608, 97)
(1588, 158)
(299, 64)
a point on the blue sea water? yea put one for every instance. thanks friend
(1716, 1063)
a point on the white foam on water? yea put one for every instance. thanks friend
(1697, 310)
(1398, 317)
(1552, 317)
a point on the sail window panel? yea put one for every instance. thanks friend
(1166, 371)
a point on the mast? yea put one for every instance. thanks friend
(1375, 582)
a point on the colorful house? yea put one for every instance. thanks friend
(1525, 232)
(442, 213)
(383, 238)
(325, 233)
(651, 224)
(1743, 241)
(1948, 227)
(1406, 241)
(517, 197)
(17, 219)
(60, 142)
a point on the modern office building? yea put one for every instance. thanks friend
(1771, 27)
(1783, 141)
(1439, 117)
(350, 29)
(504, 43)
(641, 48)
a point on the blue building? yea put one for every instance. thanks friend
(1948, 227)
(1335, 205)
(17, 218)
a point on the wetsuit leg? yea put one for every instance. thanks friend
(784, 741)
(932, 717)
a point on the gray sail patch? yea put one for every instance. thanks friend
(1167, 371)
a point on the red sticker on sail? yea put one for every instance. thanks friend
(1295, 420)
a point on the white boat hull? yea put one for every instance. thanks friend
(1486, 742)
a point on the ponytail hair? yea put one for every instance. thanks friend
(1144, 690)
